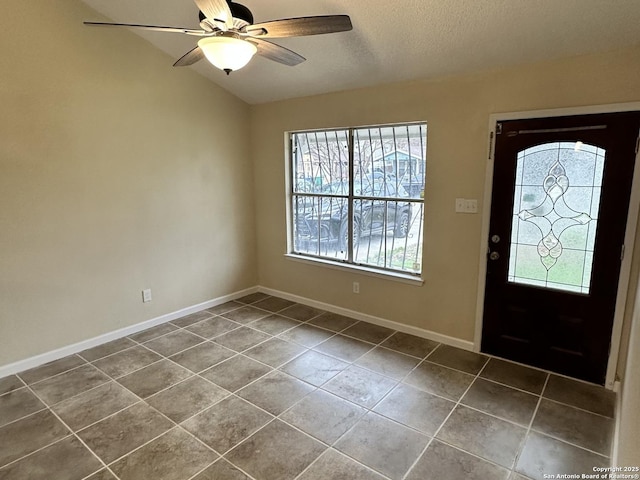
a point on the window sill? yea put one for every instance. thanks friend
(371, 272)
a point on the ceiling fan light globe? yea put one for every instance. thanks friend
(227, 53)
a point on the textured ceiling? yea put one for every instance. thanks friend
(394, 40)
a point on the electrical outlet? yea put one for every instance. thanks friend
(146, 295)
(460, 205)
(356, 287)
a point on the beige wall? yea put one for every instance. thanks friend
(457, 112)
(117, 173)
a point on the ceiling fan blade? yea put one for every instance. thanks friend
(189, 58)
(298, 27)
(216, 10)
(276, 53)
(155, 28)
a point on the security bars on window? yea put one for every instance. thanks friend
(357, 196)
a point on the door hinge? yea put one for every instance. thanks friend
(490, 145)
(622, 253)
(498, 128)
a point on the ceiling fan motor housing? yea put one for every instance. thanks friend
(237, 11)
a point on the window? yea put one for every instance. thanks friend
(357, 196)
(555, 215)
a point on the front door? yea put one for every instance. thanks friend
(559, 205)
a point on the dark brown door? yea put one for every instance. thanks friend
(559, 206)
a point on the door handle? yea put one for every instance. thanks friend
(494, 256)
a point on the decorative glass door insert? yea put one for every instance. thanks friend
(555, 215)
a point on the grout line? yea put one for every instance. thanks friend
(208, 407)
(44, 407)
(221, 459)
(130, 347)
(316, 388)
(144, 402)
(533, 417)
(271, 420)
(432, 351)
(433, 437)
(73, 433)
(183, 350)
(111, 414)
(426, 360)
(141, 333)
(471, 454)
(511, 386)
(368, 410)
(116, 378)
(122, 351)
(493, 415)
(331, 329)
(311, 326)
(570, 443)
(578, 408)
(211, 339)
(133, 344)
(30, 454)
(57, 374)
(139, 447)
(23, 384)
(343, 455)
(233, 307)
(361, 340)
(399, 352)
(105, 382)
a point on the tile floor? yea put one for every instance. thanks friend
(262, 388)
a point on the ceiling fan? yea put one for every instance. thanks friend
(229, 38)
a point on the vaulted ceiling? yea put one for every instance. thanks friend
(393, 40)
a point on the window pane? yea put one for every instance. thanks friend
(388, 234)
(320, 158)
(395, 154)
(557, 197)
(320, 226)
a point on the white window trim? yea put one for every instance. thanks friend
(380, 272)
(350, 267)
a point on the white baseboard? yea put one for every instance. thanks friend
(47, 357)
(36, 361)
(401, 327)
(615, 447)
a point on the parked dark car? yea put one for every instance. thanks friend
(325, 218)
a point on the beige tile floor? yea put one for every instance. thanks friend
(262, 388)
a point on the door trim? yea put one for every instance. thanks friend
(629, 236)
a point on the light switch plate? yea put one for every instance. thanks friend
(471, 205)
(466, 205)
(146, 295)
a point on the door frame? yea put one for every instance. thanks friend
(629, 236)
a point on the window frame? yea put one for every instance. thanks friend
(350, 198)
